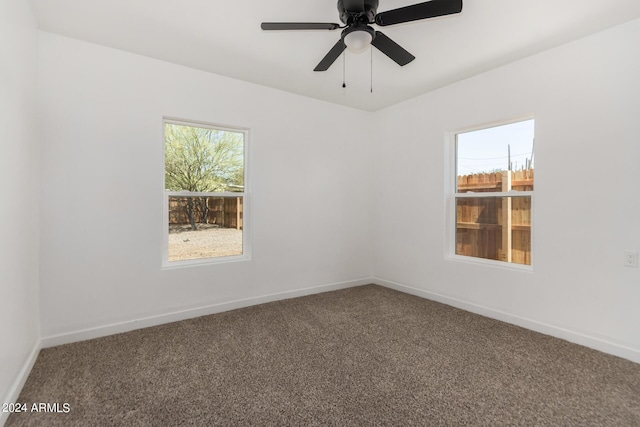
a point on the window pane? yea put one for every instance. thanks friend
(204, 227)
(200, 159)
(497, 228)
(483, 157)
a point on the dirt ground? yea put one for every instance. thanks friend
(208, 241)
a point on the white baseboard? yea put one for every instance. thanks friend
(16, 388)
(116, 328)
(554, 331)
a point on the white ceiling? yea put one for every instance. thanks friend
(224, 37)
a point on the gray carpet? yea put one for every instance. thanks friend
(362, 356)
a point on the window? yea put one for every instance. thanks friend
(493, 193)
(204, 193)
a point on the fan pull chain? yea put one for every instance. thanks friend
(344, 84)
(371, 76)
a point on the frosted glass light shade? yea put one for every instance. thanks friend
(358, 41)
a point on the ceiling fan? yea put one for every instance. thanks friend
(357, 34)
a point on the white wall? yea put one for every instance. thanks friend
(586, 100)
(19, 206)
(101, 205)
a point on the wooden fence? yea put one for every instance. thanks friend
(225, 212)
(496, 228)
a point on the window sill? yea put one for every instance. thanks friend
(489, 263)
(172, 265)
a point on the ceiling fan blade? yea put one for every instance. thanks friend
(299, 26)
(353, 5)
(429, 9)
(331, 57)
(392, 49)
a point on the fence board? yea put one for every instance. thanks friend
(226, 212)
(480, 221)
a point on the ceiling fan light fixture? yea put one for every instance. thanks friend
(358, 41)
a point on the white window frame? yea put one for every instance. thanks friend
(451, 195)
(246, 204)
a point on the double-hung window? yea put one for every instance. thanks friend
(205, 200)
(492, 199)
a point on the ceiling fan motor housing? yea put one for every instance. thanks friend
(349, 14)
